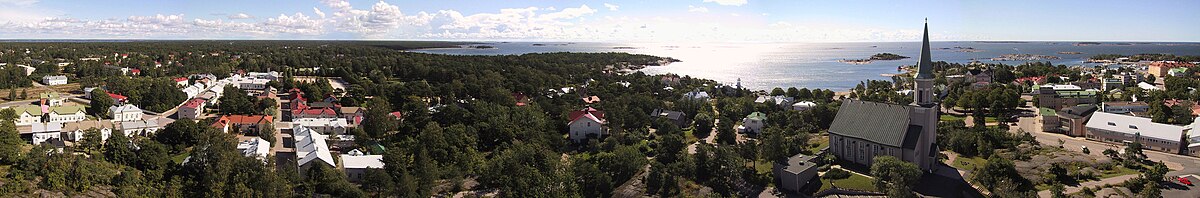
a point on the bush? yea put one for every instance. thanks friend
(836, 174)
(823, 168)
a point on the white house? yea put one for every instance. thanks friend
(73, 113)
(41, 132)
(587, 122)
(311, 148)
(803, 105)
(27, 114)
(696, 95)
(252, 84)
(356, 165)
(28, 70)
(75, 130)
(127, 112)
(194, 90)
(781, 101)
(753, 123)
(51, 98)
(256, 148)
(140, 127)
(328, 126)
(54, 80)
(191, 110)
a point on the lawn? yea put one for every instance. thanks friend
(1118, 171)
(689, 137)
(968, 163)
(947, 117)
(820, 141)
(854, 182)
(762, 166)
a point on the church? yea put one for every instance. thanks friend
(864, 129)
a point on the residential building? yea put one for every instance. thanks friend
(591, 99)
(75, 130)
(127, 112)
(696, 95)
(753, 123)
(795, 172)
(192, 109)
(1185, 103)
(781, 101)
(256, 147)
(54, 80)
(50, 99)
(678, 118)
(42, 132)
(28, 70)
(1121, 129)
(353, 115)
(140, 127)
(803, 105)
(1059, 96)
(356, 165)
(1123, 107)
(327, 126)
(327, 112)
(242, 123)
(1148, 86)
(181, 82)
(863, 130)
(118, 99)
(1177, 72)
(71, 113)
(587, 123)
(311, 148)
(1161, 68)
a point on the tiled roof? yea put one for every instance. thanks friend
(194, 103)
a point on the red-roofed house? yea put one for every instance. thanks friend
(135, 71)
(396, 115)
(191, 109)
(181, 82)
(241, 123)
(586, 123)
(118, 98)
(522, 100)
(315, 113)
(1186, 104)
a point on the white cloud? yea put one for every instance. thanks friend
(240, 16)
(318, 12)
(728, 2)
(18, 2)
(611, 7)
(697, 9)
(297, 24)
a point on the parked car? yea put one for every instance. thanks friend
(1185, 181)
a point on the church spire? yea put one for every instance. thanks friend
(925, 67)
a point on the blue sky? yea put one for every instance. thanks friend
(605, 20)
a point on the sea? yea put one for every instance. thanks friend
(763, 66)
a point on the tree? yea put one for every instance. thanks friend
(896, 178)
(118, 149)
(592, 181)
(235, 101)
(377, 182)
(10, 143)
(777, 92)
(267, 132)
(1057, 190)
(704, 125)
(93, 140)
(24, 94)
(100, 103)
(12, 94)
(528, 171)
(377, 120)
(726, 133)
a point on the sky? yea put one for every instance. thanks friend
(604, 20)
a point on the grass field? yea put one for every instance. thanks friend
(969, 164)
(820, 141)
(854, 182)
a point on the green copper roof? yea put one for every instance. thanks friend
(925, 67)
(757, 116)
(67, 109)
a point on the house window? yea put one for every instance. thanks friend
(1133, 127)
(1112, 124)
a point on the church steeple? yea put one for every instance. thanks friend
(925, 67)
(923, 81)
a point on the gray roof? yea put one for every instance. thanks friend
(1077, 112)
(925, 67)
(881, 123)
(798, 163)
